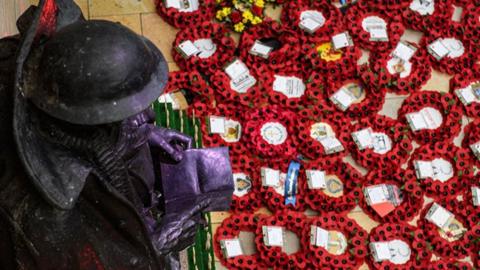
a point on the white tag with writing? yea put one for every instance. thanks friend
(378, 34)
(377, 194)
(270, 177)
(466, 95)
(206, 46)
(423, 169)
(231, 247)
(273, 236)
(290, 86)
(311, 20)
(236, 69)
(274, 133)
(188, 49)
(260, 49)
(437, 49)
(319, 237)
(476, 196)
(316, 179)
(182, 5)
(342, 99)
(426, 118)
(380, 251)
(423, 7)
(217, 124)
(331, 145)
(439, 216)
(342, 40)
(381, 143)
(363, 138)
(240, 78)
(404, 51)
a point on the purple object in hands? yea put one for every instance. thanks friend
(202, 175)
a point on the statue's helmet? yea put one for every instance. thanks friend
(95, 72)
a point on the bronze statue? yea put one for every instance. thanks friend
(86, 180)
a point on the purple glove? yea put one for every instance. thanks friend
(170, 142)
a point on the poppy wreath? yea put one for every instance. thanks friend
(414, 237)
(354, 19)
(397, 133)
(230, 229)
(441, 15)
(292, 13)
(472, 136)
(252, 200)
(442, 247)
(274, 145)
(463, 80)
(392, 80)
(308, 142)
(278, 59)
(274, 200)
(254, 97)
(445, 103)
(297, 100)
(351, 180)
(452, 65)
(369, 104)
(473, 237)
(472, 21)
(182, 19)
(317, 105)
(356, 236)
(470, 211)
(411, 191)
(203, 99)
(225, 47)
(449, 264)
(457, 157)
(274, 256)
(233, 130)
(388, 6)
(321, 56)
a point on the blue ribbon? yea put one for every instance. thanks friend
(291, 183)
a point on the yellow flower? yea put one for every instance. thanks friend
(247, 16)
(218, 1)
(219, 15)
(256, 20)
(260, 3)
(226, 11)
(238, 27)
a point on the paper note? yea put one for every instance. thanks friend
(236, 69)
(217, 124)
(316, 179)
(439, 216)
(273, 236)
(378, 34)
(270, 177)
(321, 237)
(404, 51)
(260, 49)
(311, 21)
(377, 194)
(363, 138)
(423, 169)
(380, 251)
(342, 99)
(437, 49)
(188, 49)
(331, 145)
(342, 40)
(231, 247)
(290, 86)
(466, 95)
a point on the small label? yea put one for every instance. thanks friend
(231, 248)
(377, 27)
(381, 143)
(243, 184)
(270, 177)
(423, 7)
(380, 251)
(446, 47)
(240, 79)
(216, 125)
(333, 242)
(395, 251)
(316, 179)
(383, 198)
(291, 86)
(437, 49)
(182, 5)
(378, 34)
(438, 169)
(206, 46)
(273, 236)
(342, 40)
(274, 133)
(363, 138)
(439, 216)
(260, 49)
(404, 51)
(426, 118)
(233, 131)
(331, 145)
(476, 149)
(311, 21)
(342, 99)
(188, 49)
(467, 95)
(319, 237)
(476, 196)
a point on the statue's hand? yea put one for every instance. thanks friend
(171, 142)
(177, 231)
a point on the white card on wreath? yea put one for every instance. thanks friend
(476, 149)
(380, 251)
(316, 179)
(439, 216)
(342, 98)
(260, 49)
(404, 51)
(188, 49)
(319, 236)
(270, 177)
(273, 236)
(236, 69)
(423, 169)
(231, 247)
(309, 25)
(216, 124)
(363, 138)
(437, 49)
(378, 34)
(417, 121)
(377, 194)
(342, 40)
(466, 95)
(290, 86)
(476, 196)
(331, 145)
